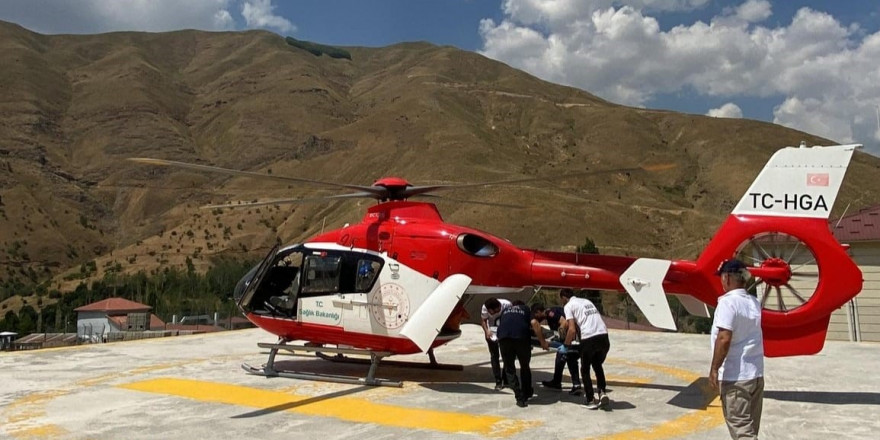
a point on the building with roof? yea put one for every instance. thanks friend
(35, 341)
(6, 340)
(96, 321)
(859, 319)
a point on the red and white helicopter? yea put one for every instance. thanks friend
(399, 281)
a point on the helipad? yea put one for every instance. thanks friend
(193, 387)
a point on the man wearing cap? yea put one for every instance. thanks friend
(737, 369)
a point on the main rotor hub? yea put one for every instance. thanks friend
(389, 182)
(395, 188)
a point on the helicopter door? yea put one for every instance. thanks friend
(257, 278)
(386, 233)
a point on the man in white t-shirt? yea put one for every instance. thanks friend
(491, 311)
(586, 324)
(737, 370)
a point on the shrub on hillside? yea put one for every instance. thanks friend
(318, 49)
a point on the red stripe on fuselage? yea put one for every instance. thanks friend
(292, 330)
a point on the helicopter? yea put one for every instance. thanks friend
(402, 280)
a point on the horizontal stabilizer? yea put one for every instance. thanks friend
(424, 325)
(693, 306)
(643, 280)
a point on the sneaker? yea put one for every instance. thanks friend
(575, 390)
(604, 401)
(521, 403)
(551, 384)
(592, 405)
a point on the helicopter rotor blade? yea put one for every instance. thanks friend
(473, 202)
(375, 192)
(362, 195)
(419, 190)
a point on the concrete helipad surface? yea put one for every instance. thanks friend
(193, 387)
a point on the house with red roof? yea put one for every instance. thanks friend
(859, 320)
(95, 321)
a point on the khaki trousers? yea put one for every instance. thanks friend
(742, 402)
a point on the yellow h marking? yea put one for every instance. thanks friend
(345, 408)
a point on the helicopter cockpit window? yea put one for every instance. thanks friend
(367, 270)
(321, 274)
(279, 288)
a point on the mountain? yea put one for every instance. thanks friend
(75, 107)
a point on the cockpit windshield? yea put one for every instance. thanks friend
(301, 272)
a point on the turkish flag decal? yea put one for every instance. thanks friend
(817, 179)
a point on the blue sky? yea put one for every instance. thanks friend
(808, 64)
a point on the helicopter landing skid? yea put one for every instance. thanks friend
(432, 364)
(269, 369)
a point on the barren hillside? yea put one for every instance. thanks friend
(74, 107)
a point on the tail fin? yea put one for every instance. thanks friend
(779, 228)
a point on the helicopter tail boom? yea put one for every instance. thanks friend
(800, 273)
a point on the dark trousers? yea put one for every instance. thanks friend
(593, 353)
(570, 359)
(495, 360)
(520, 350)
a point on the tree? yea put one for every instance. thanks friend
(10, 322)
(27, 320)
(595, 296)
(589, 247)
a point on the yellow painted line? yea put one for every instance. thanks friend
(688, 424)
(31, 405)
(25, 409)
(42, 431)
(343, 408)
(22, 421)
(693, 422)
(627, 379)
(685, 375)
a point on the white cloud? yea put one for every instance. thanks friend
(223, 20)
(729, 110)
(825, 75)
(258, 14)
(556, 12)
(161, 15)
(754, 11)
(96, 16)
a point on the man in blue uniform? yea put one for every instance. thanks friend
(514, 341)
